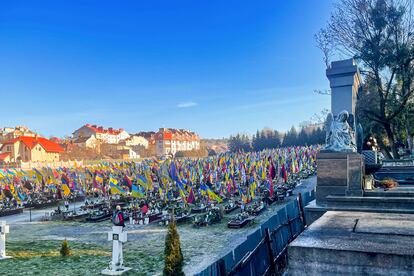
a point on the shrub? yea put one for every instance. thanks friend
(65, 250)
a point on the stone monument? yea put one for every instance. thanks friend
(340, 168)
(357, 231)
(4, 229)
(116, 267)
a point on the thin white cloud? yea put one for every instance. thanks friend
(186, 104)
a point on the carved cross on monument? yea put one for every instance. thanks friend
(116, 267)
(4, 229)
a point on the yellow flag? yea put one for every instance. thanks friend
(66, 190)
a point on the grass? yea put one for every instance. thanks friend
(43, 258)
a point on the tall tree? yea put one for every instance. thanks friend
(379, 34)
(240, 142)
(291, 137)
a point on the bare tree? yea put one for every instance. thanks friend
(380, 35)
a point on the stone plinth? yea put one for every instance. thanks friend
(355, 243)
(344, 79)
(339, 174)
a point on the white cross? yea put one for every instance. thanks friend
(117, 236)
(4, 229)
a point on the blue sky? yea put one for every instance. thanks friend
(216, 67)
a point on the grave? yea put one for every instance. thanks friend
(341, 171)
(353, 230)
(118, 237)
(4, 229)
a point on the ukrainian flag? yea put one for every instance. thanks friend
(142, 181)
(99, 178)
(212, 195)
(115, 189)
(136, 192)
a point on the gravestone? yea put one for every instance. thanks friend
(118, 237)
(4, 229)
(341, 175)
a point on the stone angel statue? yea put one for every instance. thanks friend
(340, 137)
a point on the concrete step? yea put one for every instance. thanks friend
(398, 192)
(372, 201)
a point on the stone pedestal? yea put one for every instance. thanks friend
(116, 267)
(339, 174)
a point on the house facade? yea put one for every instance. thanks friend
(109, 135)
(87, 142)
(9, 133)
(135, 140)
(31, 149)
(170, 140)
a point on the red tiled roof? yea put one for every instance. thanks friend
(4, 155)
(31, 142)
(176, 134)
(97, 129)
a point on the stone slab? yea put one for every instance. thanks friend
(332, 172)
(334, 230)
(389, 226)
(332, 245)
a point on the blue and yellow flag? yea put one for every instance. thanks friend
(115, 188)
(136, 192)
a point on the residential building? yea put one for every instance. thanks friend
(4, 157)
(127, 154)
(34, 149)
(136, 140)
(150, 136)
(87, 142)
(109, 135)
(9, 133)
(169, 141)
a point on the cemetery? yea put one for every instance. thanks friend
(333, 197)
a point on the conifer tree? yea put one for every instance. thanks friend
(172, 253)
(65, 250)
